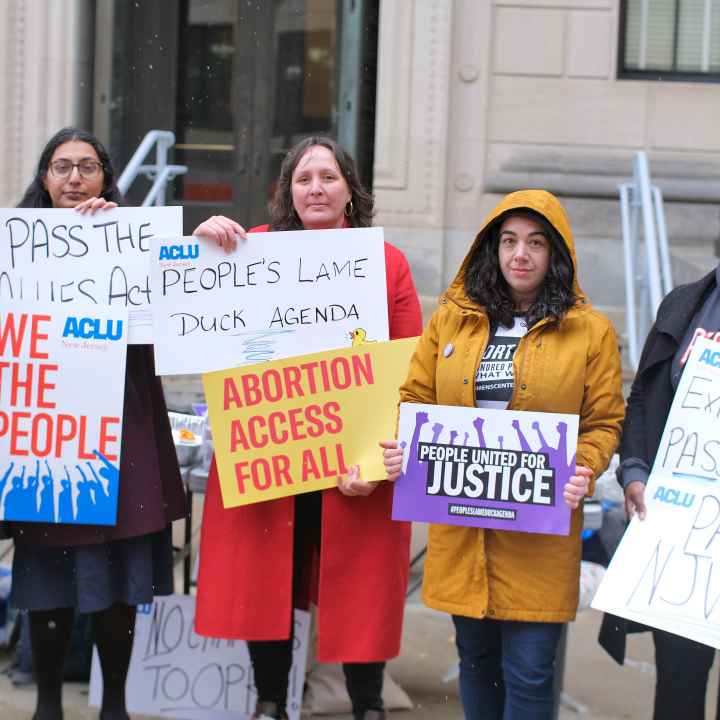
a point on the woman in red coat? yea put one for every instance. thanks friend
(337, 546)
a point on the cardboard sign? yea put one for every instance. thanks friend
(176, 673)
(294, 426)
(62, 386)
(279, 294)
(663, 573)
(49, 255)
(499, 469)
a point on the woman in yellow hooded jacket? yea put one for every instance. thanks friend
(516, 295)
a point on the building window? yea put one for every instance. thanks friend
(670, 40)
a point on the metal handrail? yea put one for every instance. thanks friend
(648, 274)
(160, 173)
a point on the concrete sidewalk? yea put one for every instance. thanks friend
(595, 687)
(599, 689)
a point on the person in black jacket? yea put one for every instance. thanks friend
(689, 312)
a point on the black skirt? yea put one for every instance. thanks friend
(91, 578)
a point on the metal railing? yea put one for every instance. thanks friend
(160, 173)
(648, 276)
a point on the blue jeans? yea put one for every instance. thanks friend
(507, 668)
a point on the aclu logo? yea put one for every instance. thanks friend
(674, 497)
(710, 357)
(179, 252)
(93, 328)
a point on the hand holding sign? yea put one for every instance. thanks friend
(392, 459)
(353, 485)
(635, 500)
(93, 204)
(577, 486)
(222, 230)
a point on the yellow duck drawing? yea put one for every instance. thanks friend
(359, 337)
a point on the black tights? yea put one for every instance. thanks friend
(272, 659)
(112, 632)
(682, 666)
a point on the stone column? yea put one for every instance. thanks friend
(430, 133)
(411, 133)
(45, 81)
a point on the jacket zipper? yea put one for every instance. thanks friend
(517, 372)
(478, 358)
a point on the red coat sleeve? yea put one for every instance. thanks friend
(404, 313)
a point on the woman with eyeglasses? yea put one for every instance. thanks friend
(103, 571)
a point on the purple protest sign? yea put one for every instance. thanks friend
(499, 469)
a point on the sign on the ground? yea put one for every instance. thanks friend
(176, 673)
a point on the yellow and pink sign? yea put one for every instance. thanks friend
(296, 425)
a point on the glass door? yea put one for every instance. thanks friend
(206, 120)
(254, 77)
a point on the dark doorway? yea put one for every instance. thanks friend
(240, 82)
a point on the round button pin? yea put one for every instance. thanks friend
(448, 351)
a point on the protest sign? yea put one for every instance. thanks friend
(62, 373)
(279, 294)
(59, 255)
(293, 426)
(663, 573)
(499, 469)
(178, 674)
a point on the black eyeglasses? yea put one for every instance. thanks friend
(88, 169)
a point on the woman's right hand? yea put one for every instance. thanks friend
(635, 499)
(93, 204)
(222, 230)
(392, 458)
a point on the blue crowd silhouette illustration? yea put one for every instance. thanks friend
(86, 493)
(557, 455)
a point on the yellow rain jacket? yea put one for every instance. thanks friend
(567, 367)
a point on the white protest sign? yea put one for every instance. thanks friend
(663, 573)
(49, 255)
(176, 673)
(690, 443)
(278, 295)
(62, 388)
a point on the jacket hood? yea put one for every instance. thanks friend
(540, 201)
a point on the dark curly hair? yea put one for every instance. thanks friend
(36, 196)
(282, 212)
(485, 284)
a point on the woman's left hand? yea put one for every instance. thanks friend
(93, 204)
(353, 485)
(577, 486)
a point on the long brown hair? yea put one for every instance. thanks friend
(283, 215)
